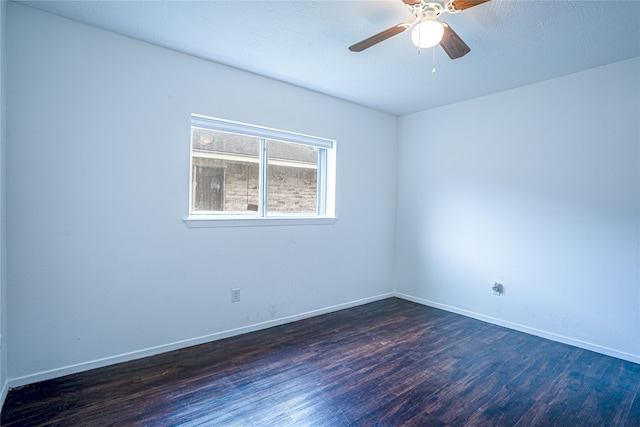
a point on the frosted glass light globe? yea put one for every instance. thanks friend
(427, 33)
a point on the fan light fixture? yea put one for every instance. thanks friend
(427, 33)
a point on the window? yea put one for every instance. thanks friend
(249, 175)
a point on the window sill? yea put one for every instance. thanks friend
(202, 221)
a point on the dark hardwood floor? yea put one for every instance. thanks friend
(387, 363)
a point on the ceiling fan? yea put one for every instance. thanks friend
(426, 31)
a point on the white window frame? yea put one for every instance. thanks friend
(326, 178)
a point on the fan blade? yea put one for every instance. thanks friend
(373, 40)
(466, 4)
(453, 44)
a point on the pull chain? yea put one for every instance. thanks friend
(433, 70)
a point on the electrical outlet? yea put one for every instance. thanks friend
(496, 288)
(235, 295)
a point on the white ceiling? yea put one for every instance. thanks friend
(304, 42)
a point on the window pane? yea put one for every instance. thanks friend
(225, 172)
(293, 178)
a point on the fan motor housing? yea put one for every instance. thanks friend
(425, 11)
(431, 10)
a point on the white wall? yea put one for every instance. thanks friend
(101, 267)
(3, 270)
(537, 188)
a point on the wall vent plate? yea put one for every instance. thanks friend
(235, 295)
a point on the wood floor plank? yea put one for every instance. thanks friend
(387, 363)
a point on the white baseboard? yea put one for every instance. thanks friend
(3, 393)
(99, 363)
(526, 329)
